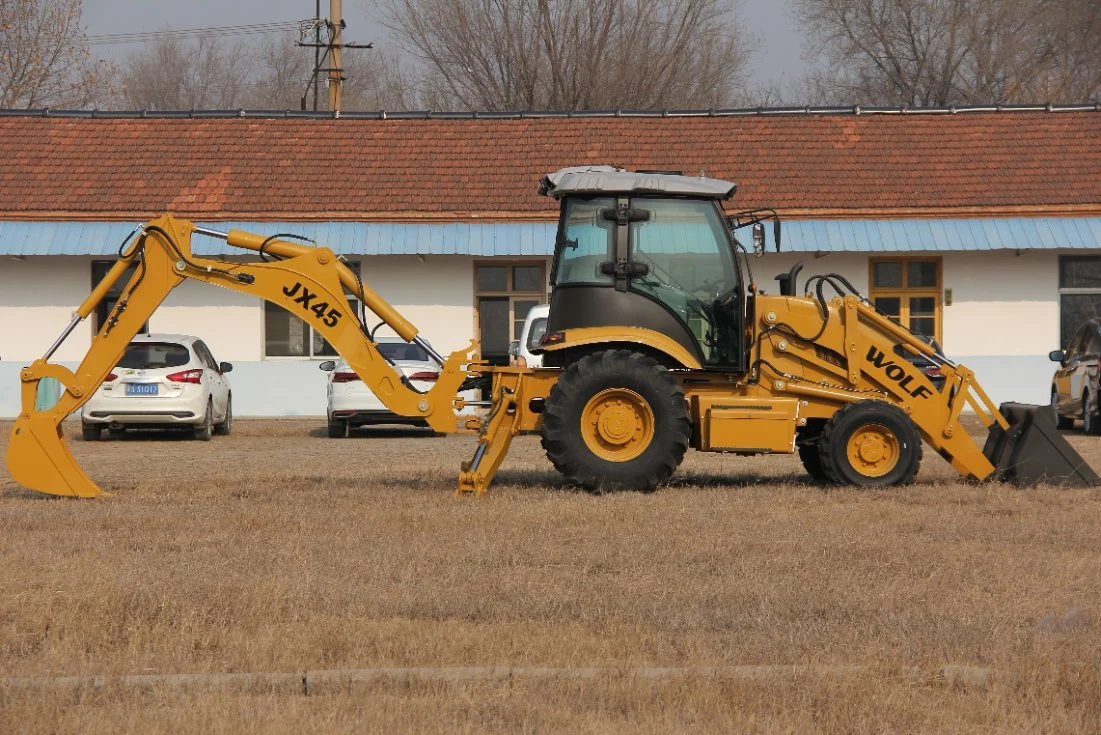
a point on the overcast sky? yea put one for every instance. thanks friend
(767, 21)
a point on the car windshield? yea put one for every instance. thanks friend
(149, 355)
(538, 329)
(401, 351)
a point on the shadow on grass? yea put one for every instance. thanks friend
(137, 435)
(381, 432)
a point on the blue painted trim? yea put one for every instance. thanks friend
(537, 238)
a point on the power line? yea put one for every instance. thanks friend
(244, 30)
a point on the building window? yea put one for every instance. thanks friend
(504, 293)
(286, 335)
(908, 290)
(107, 304)
(1079, 293)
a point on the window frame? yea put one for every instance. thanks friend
(1072, 291)
(904, 292)
(540, 296)
(104, 308)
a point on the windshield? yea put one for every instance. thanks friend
(689, 263)
(150, 355)
(538, 329)
(401, 351)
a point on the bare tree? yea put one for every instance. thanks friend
(174, 75)
(44, 60)
(573, 54)
(212, 74)
(942, 52)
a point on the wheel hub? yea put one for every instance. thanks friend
(617, 424)
(873, 450)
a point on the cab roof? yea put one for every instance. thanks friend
(612, 180)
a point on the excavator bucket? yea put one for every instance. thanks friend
(39, 459)
(1032, 451)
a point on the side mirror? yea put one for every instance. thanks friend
(1055, 355)
(328, 366)
(758, 239)
(225, 367)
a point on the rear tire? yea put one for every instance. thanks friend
(90, 432)
(870, 444)
(224, 428)
(1091, 422)
(1061, 422)
(338, 429)
(616, 420)
(809, 453)
(205, 430)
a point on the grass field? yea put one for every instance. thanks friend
(278, 550)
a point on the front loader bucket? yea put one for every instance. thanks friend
(1032, 451)
(39, 459)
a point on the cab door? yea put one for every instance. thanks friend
(686, 262)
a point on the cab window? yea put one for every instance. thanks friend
(585, 241)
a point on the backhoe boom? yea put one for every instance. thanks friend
(308, 281)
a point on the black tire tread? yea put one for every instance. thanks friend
(561, 438)
(855, 413)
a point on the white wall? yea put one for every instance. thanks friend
(437, 295)
(38, 295)
(1003, 320)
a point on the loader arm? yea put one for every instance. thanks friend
(853, 358)
(306, 280)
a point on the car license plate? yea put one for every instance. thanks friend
(141, 389)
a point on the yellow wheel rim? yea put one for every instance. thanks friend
(617, 424)
(873, 450)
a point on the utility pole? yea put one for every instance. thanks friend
(336, 71)
(332, 59)
(316, 52)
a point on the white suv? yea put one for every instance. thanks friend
(162, 381)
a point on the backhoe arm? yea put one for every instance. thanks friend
(308, 281)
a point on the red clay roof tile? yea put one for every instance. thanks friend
(232, 168)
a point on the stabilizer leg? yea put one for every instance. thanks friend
(493, 443)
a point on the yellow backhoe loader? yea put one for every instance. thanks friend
(658, 340)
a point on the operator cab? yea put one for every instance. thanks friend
(652, 251)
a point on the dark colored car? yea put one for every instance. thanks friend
(1074, 387)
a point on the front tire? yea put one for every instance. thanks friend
(616, 420)
(809, 453)
(870, 444)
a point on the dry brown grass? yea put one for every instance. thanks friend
(277, 550)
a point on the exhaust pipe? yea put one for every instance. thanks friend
(1032, 451)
